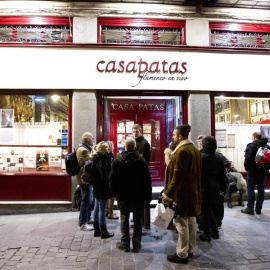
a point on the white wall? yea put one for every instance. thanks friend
(84, 119)
(199, 114)
(85, 30)
(197, 32)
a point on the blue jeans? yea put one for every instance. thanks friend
(252, 182)
(99, 214)
(85, 209)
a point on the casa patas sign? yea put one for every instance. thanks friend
(146, 71)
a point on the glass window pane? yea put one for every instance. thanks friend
(240, 39)
(38, 34)
(141, 35)
(236, 120)
(34, 120)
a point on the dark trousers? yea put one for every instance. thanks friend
(85, 209)
(208, 219)
(125, 209)
(219, 210)
(252, 182)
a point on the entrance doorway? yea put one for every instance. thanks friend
(156, 115)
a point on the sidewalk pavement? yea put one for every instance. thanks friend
(53, 241)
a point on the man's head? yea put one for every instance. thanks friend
(136, 131)
(181, 133)
(209, 143)
(130, 144)
(199, 141)
(88, 138)
(256, 136)
(103, 147)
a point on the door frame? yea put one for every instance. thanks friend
(102, 94)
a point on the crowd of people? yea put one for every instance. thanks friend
(197, 179)
(125, 177)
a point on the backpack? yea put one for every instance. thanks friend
(72, 165)
(88, 173)
(262, 158)
(77, 198)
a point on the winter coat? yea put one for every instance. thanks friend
(183, 179)
(130, 178)
(101, 170)
(83, 154)
(213, 179)
(143, 147)
(250, 154)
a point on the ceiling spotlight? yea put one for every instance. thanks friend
(55, 97)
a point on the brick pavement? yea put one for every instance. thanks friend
(53, 241)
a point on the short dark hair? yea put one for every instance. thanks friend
(183, 130)
(209, 143)
(257, 135)
(137, 126)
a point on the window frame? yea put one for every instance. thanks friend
(239, 27)
(38, 21)
(151, 23)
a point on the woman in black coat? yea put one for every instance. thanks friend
(101, 189)
(213, 183)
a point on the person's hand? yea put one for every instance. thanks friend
(165, 200)
(222, 194)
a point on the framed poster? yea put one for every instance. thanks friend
(221, 137)
(253, 110)
(231, 140)
(265, 106)
(265, 132)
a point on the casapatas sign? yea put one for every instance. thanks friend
(145, 70)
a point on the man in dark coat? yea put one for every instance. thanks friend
(142, 145)
(213, 183)
(255, 176)
(131, 185)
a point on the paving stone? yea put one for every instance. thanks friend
(243, 245)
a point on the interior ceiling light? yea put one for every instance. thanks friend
(40, 99)
(55, 97)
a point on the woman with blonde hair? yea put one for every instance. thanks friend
(101, 189)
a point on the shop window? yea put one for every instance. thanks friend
(124, 130)
(36, 29)
(240, 35)
(33, 132)
(138, 31)
(235, 122)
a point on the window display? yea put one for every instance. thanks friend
(33, 132)
(245, 116)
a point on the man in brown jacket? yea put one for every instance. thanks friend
(183, 190)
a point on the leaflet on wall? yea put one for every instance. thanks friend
(221, 137)
(55, 157)
(29, 158)
(231, 140)
(11, 160)
(7, 123)
(42, 160)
